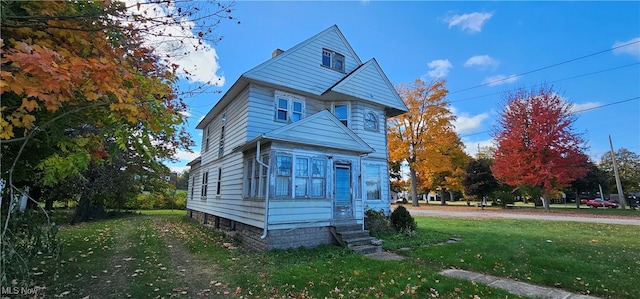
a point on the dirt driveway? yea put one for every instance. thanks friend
(497, 213)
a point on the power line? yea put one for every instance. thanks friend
(579, 111)
(555, 81)
(545, 67)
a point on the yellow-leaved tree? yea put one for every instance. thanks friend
(425, 138)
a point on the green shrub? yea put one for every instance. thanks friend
(402, 221)
(503, 198)
(376, 222)
(168, 199)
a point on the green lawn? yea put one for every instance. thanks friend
(162, 254)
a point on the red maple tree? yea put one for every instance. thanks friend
(536, 144)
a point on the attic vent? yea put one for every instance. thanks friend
(276, 52)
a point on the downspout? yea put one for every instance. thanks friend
(266, 195)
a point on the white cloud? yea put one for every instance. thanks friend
(500, 79)
(178, 169)
(471, 147)
(471, 22)
(577, 108)
(187, 156)
(632, 47)
(439, 68)
(467, 123)
(482, 62)
(198, 62)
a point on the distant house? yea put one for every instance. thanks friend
(295, 146)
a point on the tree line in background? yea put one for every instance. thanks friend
(90, 110)
(538, 155)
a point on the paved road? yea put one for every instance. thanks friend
(510, 215)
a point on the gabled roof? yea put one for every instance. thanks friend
(312, 129)
(304, 59)
(368, 82)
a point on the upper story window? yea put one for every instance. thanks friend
(332, 59)
(370, 121)
(289, 108)
(206, 139)
(341, 111)
(223, 121)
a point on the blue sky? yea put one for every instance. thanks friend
(482, 49)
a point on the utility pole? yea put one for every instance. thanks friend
(621, 198)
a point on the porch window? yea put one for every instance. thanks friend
(283, 176)
(302, 177)
(317, 177)
(256, 180)
(373, 182)
(249, 181)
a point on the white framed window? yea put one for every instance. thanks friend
(221, 145)
(373, 182)
(289, 107)
(206, 139)
(341, 111)
(203, 187)
(256, 180)
(283, 175)
(249, 177)
(318, 177)
(370, 121)
(302, 177)
(219, 182)
(333, 60)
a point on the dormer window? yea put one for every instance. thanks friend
(332, 59)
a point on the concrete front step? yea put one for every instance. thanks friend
(354, 237)
(354, 234)
(358, 241)
(366, 249)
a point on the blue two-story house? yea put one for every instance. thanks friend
(297, 145)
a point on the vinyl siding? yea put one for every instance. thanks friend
(300, 68)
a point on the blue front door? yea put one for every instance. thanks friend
(343, 205)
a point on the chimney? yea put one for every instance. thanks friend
(276, 52)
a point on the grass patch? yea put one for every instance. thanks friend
(598, 259)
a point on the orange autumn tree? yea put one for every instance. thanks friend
(82, 64)
(536, 144)
(424, 137)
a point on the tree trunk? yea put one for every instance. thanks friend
(48, 204)
(443, 200)
(414, 187)
(546, 202)
(577, 199)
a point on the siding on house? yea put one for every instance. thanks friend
(370, 84)
(247, 111)
(300, 68)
